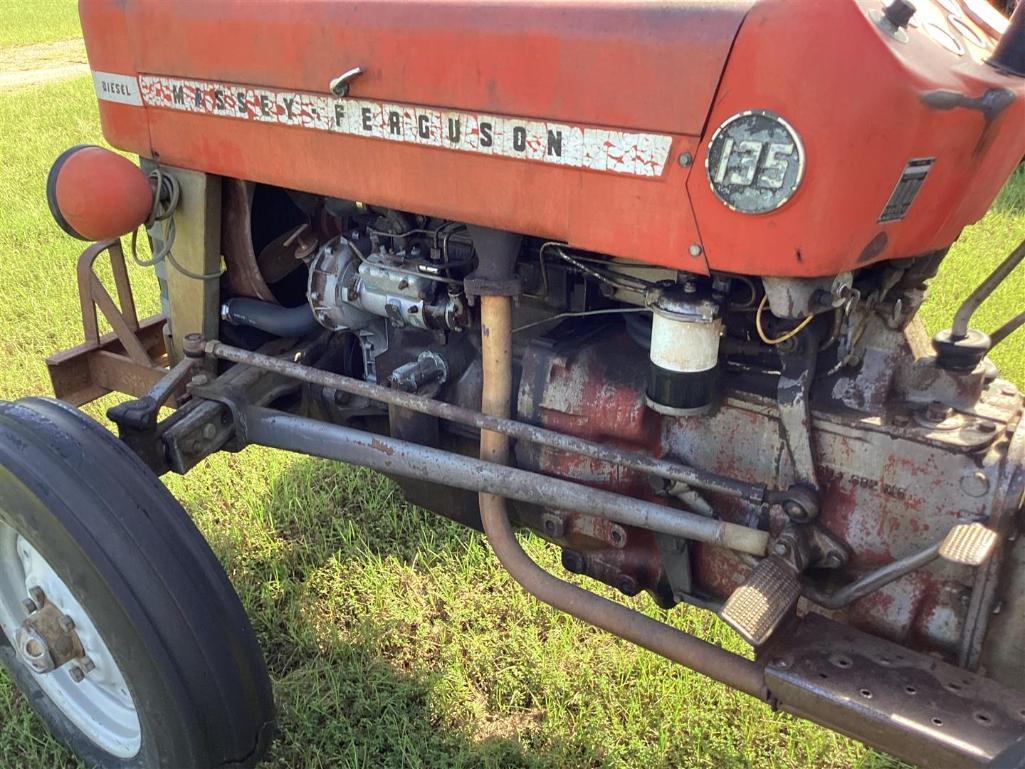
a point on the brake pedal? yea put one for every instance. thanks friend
(756, 608)
(968, 543)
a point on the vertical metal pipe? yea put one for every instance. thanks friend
(706, 658)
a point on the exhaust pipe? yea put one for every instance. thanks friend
(1010, 53)
(688, 650)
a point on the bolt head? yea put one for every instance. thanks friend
(900, 12)
(67, 624)
(209, 431)
(686, 160)
(30, 605)
(781, 548)
(937, 411)
(696, 250)
(87, 665)
(76, 674)
(37, 595)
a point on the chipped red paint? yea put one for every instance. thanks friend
(884, 496)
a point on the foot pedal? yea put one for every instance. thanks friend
(968, 543)
(758, 606)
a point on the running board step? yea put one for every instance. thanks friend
(756, 608)
(908, 704)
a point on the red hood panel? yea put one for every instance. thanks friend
(640, 65)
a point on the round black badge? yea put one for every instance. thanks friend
(755, 162)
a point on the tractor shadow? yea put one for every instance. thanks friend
(350, 594)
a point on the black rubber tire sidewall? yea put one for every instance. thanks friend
(152, 587)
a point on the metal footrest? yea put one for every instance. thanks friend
(908, 704)
(756, 608)
(968, 543)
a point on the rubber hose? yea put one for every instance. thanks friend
(272, 318)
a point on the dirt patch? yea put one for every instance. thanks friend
(29, 64)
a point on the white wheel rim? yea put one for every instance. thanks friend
(100, 706)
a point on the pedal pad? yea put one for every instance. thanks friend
(968, 543)
(756, 608)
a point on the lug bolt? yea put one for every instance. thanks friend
(76, 674)
(37, 595)
(67, 624)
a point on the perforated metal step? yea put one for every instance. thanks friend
(908, 704)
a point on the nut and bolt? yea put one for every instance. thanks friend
(696, 250)
(781, 549)
(30, 605)
(76, 674)
(552, 525)
(193, 345)
(572, 561)
(901, 420)
(795, 511)
(686, 160)
(937, 411)
(36, 594)
(199, 380)
(66, 623)
(627, 585)
(86, 665)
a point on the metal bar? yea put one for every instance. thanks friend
(847, 595)
(708, 659)
(519, 430)
(123, 329)
(964, 314)
(1007, 329)
(276, 429)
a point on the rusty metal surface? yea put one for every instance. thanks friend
(242, 269)
(129, 359)
(908, 704)
(889, 490)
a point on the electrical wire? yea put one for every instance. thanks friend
(583, 314)
(778, 340)
(162, 215)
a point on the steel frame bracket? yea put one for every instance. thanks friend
(130, 359)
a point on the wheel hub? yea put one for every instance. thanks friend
(55, 638)
(47, 640)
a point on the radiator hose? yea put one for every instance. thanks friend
(692, 652)
(273, 318)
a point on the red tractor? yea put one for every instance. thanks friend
(642, 278)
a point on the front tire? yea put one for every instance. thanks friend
(175, 676)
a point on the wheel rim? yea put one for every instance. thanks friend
(100, 705)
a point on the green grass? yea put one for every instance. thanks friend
(39, 21)
(394, 638)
